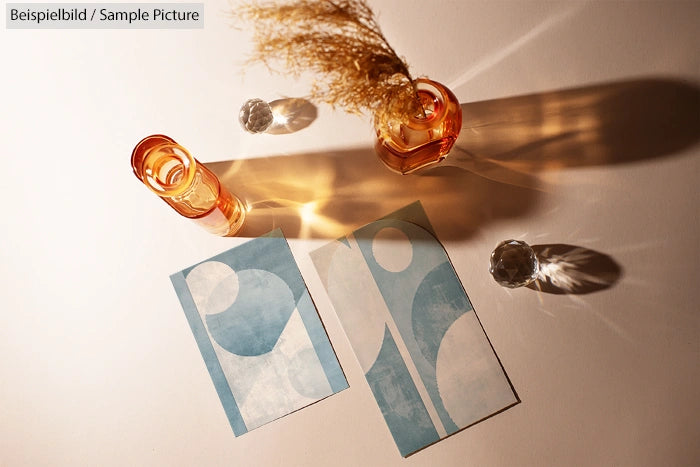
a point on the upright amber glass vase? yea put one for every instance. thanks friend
(171, 172)
(423, 139)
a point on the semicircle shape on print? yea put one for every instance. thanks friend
(254, 322)
(437, 304)
(439, 301)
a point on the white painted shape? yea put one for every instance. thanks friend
(470, 378)
(364, 313)
(261, 384)
(392, 250)
(213, 286)
(356, 299)
(299, 355)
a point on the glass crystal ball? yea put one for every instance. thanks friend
(514, 264)
(255, 116)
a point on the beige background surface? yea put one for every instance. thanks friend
(98, 364)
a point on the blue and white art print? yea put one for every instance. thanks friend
(261, 338)
(427, 360)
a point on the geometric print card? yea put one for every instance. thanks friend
(258, 331)
(428, 362)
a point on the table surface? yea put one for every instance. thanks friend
(580, 135)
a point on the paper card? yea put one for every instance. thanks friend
(427, 360)
(261, 338)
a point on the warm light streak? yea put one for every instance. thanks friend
(307, 212)
(279, 119)
(494, 59)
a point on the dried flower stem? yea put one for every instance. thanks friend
(340, 42)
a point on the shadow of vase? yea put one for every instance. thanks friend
(569, 269)
(503, 145)
(511, 139)
(329, 194)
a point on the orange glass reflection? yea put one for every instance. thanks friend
(171, 172)
(422, 140)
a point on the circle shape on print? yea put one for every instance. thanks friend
(306, 374)
(213, 286)
(392, 250)
(253, 324)
(470, 379)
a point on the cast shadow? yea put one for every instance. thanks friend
(291, 115)
(513, 138)
(569, 269)
(503, 145)
(329, 194)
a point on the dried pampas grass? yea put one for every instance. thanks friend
(341, 43)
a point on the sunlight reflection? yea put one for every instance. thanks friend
(279, 119)
(331, 193)
(609, 323)
(492, 60)
(309, 219)
(307, 212)
(291, 115)
(568, 269)
(497, 170)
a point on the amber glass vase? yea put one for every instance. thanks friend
(171, 172)
(423, 139)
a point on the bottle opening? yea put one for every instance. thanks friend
(429, 103)
(432, 101)
(168, 169)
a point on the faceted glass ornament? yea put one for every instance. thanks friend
(514, 264)
(255, 116)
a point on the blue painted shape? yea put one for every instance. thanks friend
(270, 287)
(399, 400)
(399, 290)
(270, 253)
(253, 324)
(424, 300)
(207, 350)
(438, 302)
(322, 345)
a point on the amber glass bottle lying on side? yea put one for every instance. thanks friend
(171, 172)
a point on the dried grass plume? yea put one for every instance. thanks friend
(339, 42)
